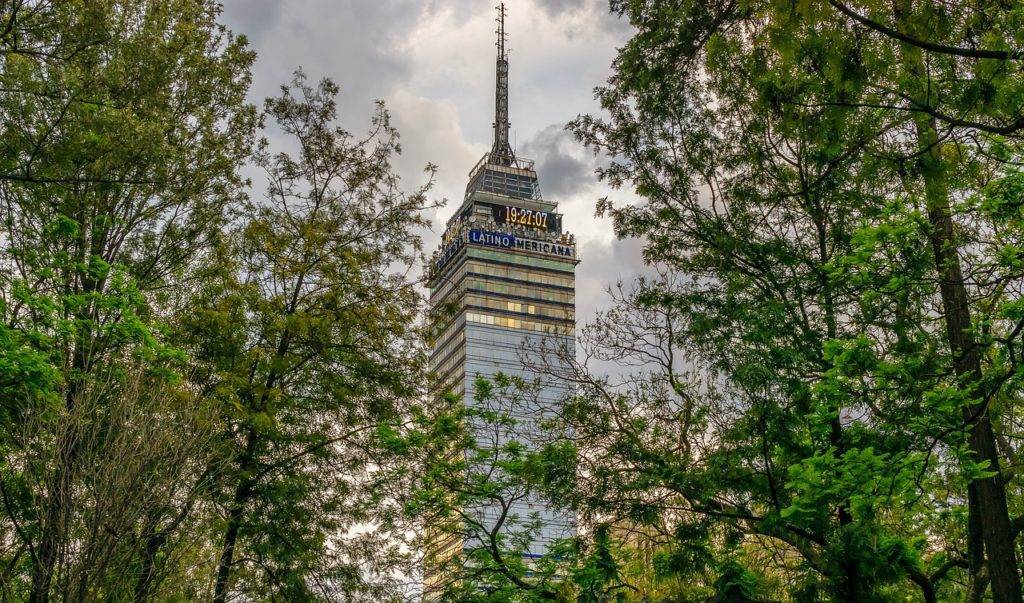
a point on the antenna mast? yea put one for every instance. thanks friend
(501, 153)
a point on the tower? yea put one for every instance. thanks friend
(501, 152)
(502, 285)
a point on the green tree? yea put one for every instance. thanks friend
(123, 125)
(805, 169)
(472, 469)
(304, 335)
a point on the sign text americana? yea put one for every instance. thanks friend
(507, 241)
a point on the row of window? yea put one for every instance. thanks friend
(529, 261)
(441, 548)
(517, 323)
(441, 315)
(517, 306)
(510, 185)
(476, 283)
(529, 276)
(445, 288)
(453, 336)
(564, 297)
(449, 331)
(443, 370)
(450, 338)
(455, 383)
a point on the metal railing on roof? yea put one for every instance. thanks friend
(515, 179)
(513, 162)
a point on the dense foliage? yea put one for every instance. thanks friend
(817, 394)
(191, 379)
(825, 187)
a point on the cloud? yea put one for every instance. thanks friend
(258, 18)
(566, 167)
(602, 265)
(430, 133)
(557, 7)
(351, 41)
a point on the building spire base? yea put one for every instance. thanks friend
(501, 152)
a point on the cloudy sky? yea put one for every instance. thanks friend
(432, 62)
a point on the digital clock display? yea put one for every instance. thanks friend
(527, 217)
(532, 218)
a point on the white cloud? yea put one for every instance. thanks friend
(431, 133)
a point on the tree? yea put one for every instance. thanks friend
(802, 167)
(722, 484)
(472, 469)
(124, 124)
(304, 336)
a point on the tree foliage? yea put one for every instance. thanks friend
(124, 125)
(304, 335)
(191, 379)
(817, 392)
(815, 177)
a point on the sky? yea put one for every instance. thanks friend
(432, 63)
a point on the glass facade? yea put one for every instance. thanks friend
(500, 292)
(515, 180)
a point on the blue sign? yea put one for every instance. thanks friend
(493, 239)
(447, 253)
(508, 241)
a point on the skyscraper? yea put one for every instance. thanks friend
(502, 285)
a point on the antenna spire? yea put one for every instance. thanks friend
(501, 153)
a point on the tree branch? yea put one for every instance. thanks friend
(971, 53)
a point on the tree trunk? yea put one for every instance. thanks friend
(154, 542)
(989, 511)
(853, 581)
(853, 587)
(988, 517)
(242, 493)
(220, 591)
(57, 506)
(975, 548)
(49, 541)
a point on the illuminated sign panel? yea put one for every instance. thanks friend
(447, 253)
(492, 239)
(508, 241)
(526, 217)
(533, 218)
(454, 238)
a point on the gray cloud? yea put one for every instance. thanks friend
(351, 41)
(256, 19)
(592, 8)
(602, 266)
(557, 7)
(595, 11)
(565, 166)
